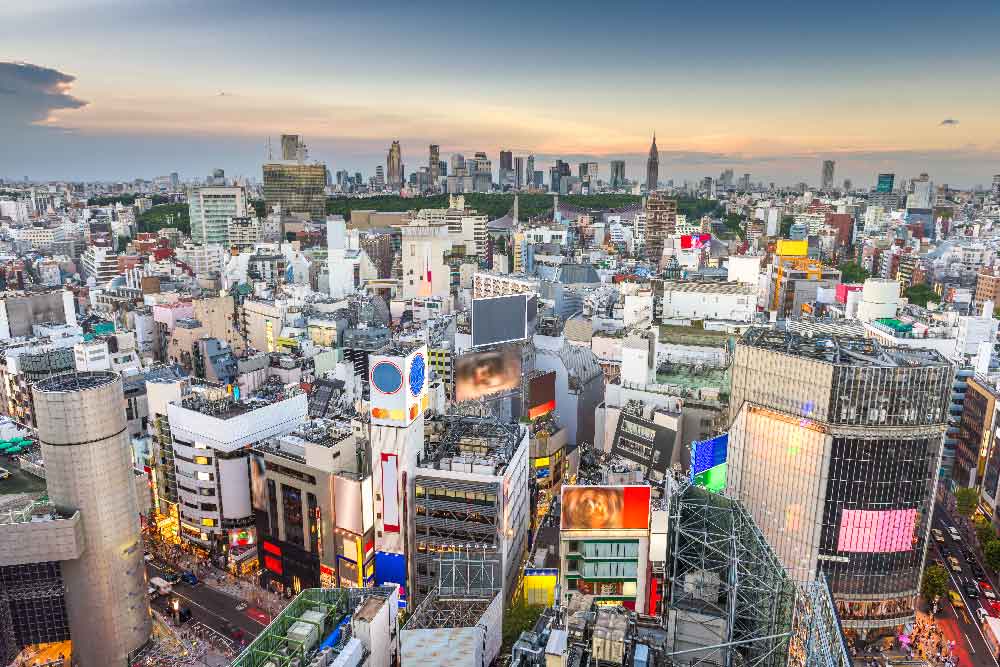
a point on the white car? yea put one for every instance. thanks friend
(982, 614)
(954, 534)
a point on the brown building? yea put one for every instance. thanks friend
(974, 432)
(661, 223)
(987, 289)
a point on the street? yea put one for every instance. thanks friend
(961, 625)
(214, 608)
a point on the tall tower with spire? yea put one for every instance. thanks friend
(652, 166)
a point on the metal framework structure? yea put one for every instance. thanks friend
(466, 588)
(816, 635)
(724, 577)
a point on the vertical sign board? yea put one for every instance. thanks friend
(390, 493)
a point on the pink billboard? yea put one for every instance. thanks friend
(876, 531)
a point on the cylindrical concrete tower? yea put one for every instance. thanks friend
(82, 429)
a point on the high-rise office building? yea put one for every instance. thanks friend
(661, 223)
(996, 186)
(506, 173)
(394, 166)
(379, 177)
(211, 208)
(617, 174)
(298, 188)
(745, 183)
(652, 167)
(529, 170)
(827, 176)
(434, 164)
(834, 449)
(506, 160)
(292, 148)
(88, 468)
(519, 172)
(885, 183)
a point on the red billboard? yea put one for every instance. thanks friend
(605, 507)
(695, 241)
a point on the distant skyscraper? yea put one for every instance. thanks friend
(434, 164)
(519, 172)
(297, 187)
(506, 160)
(506, 172)
(617, 174)
(848, 185)
(292, 147)
(211, 208)
(745, 183)
(379, 177)
(394, 166)
(529, 170)
(652, 167)
(996, 185)
(828, 174)
(885, 182)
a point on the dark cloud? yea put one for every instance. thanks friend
(949, 121)
(31, 93)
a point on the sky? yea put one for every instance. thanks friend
(121, 89)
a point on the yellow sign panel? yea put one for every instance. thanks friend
(789, 248)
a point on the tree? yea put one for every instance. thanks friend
(919, 295)
(786, 226)
(992, 554)
(984, 532)
(852, 273)
(966, 500)
(935, 582)
(516, 620)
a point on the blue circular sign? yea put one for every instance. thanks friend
(387, 377)
(418, 373)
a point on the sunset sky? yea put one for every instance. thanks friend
(105, 89)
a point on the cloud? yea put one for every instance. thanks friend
(32, 94)
(948, 122)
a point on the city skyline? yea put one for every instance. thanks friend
(82, 111)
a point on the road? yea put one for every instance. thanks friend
(208, 605)
(961, 624)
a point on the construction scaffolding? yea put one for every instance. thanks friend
(729, 600)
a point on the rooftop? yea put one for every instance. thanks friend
(478, 440)
(841, 350)
(212, 399)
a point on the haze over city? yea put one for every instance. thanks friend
(117, 89)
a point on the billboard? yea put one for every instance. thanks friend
(695, 241)
(347, 503)
(644, 442)
(390, 493)
(605, 507)
(258, 480)
(500, 319)
(479, 374)
(541, 395)
(876, 531)
(706, 454)
(398, 387)
(241, 537)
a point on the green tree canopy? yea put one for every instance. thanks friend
(516, 620)
(852, 272)
(165, 215)
(935, 582)
(966, 500)
(984, 532)
(920, 295)
(992, 553)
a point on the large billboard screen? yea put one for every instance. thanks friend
(347, 503)
(706, 454)
(479, 374)
(541, 398)
(390, 493)
(499, 319)
(876, 531)
(258, 481)
(605, 507)
(644, 442)
(695, 241)
(885, 182)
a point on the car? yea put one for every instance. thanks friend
(982, 614)
(4, 473)
(969, 556)
(148, 557)
(953, 532)
(971, 590)
(952, 563)
(977, 569)
(939, 562)
(956, 600)
(241, 605)
(987, 590)
(189, 578)
(938, 535)
(995, 607)
(171, 576)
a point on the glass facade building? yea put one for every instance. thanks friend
(835, 447)
(300, 189)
